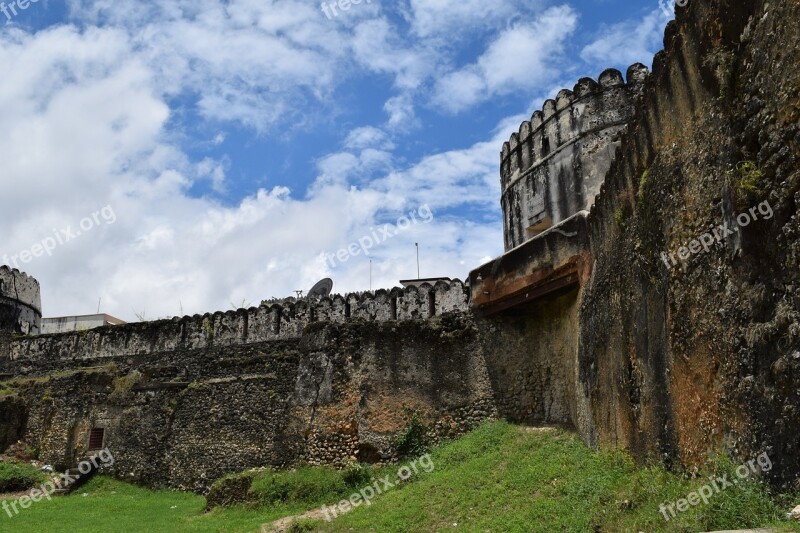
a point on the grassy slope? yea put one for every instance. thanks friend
(503, 478)
(499, 478)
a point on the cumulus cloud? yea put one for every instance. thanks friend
(258, 63)
(368, 137)
(524, 56)
(628, 42)
(402, 115)
(444, 17)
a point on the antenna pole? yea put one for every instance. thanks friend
(417, 245)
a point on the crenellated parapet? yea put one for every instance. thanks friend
(554, 165)
(280, 320)
(20, 302)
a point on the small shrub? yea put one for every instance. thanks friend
(233, 489)
(32, 452)
(357, 475)
(124, 385)
(16, 477)
(304, 485)
(412, 442)
(749, 178)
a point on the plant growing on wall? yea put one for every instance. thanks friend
(748, 178)
(412, 442)
(209, 330)
(643, 183)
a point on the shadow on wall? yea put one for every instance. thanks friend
(531, 353)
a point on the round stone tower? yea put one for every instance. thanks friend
(555, 165)
(20, 303)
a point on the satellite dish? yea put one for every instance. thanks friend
(321, 289)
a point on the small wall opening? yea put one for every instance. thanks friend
(539, 224)
(368, 454)
(347, 310)
(97, 438)
(431, 304)
(393, 308)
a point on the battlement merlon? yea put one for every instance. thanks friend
(20, 302)
(554, 166)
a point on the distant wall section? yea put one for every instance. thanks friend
(278, 321)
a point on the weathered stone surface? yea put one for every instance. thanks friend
(676, 358)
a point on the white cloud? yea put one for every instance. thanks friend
(444, 17)
(378, 47)
(628, 42)
(524, 56)
(214, 171)
(258, 63)
(368, 137)
(402, 116)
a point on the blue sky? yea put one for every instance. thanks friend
(242, 144)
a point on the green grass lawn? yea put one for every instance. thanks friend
(115, 507)
(499, 478)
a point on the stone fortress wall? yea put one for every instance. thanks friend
(182, 402)
(20, 302)
(278, 321)
(554, 166)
